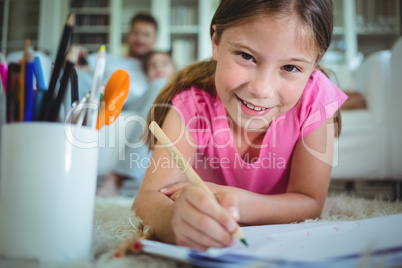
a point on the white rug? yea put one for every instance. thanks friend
(114, 222)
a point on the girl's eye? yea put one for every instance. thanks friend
(290, 68)
(246, 56)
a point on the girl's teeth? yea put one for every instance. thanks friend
(253, 107)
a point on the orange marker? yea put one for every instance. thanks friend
(116, 93)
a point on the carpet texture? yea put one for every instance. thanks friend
(114, 223)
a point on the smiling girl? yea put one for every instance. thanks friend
(256, 122)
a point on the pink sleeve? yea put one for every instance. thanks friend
(192, 106)
(320, 100)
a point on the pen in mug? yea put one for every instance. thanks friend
(3, 72)
(38, 72)
(28, 84)
(116, 93)
(74, 86)
(22, 84)
(40, 92)
(78, 111)
(47, 102)
(13, 92)
(71, 59)
(92, 114)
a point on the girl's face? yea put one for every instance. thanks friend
(160, 66)
(263, 66)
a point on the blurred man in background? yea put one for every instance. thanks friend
(141, 41)
(142, 37)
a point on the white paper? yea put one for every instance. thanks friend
(310, 242)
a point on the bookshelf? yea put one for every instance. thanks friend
(92, 24)
(23, 18)
(184, 32)
(362, 27)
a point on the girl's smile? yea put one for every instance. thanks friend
(251, 109)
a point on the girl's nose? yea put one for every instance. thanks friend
(262, 86)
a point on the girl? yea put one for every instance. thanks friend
(256, 123)
(158, 64)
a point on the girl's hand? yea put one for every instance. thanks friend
(174, 190)
(200, 222)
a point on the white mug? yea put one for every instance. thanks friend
(47, 191)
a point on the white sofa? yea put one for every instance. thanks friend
(370, 146)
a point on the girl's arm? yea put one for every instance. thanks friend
(309, 178)
(307, 188)
(195, 219)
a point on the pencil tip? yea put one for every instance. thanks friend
(27, 43)
(28, 52)
(71, 19)
(72, 54)
(243, 240)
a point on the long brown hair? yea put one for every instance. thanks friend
(317, 16)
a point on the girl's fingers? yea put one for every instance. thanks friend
(229, 202)
(187, 242)
(173, 188)
(193, 224)
(206, 204)
(192, 237)
(175, 196)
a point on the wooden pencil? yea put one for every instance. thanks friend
(47, 102)
(71, 59)
(187, 169)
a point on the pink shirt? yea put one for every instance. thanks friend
(217, 159)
